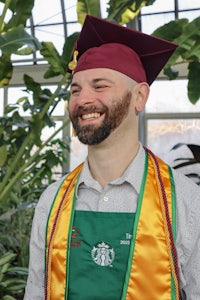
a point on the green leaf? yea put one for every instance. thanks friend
(14, 285)
(18, 271)
(22, 99)
(51, 159)
(117, 8)
(33, 86)
(193, 83)
(12, 4)
(4, 268)
(190, 40)
(6, 258)
(22, 11)
(190, 29)
(124, 11)
(84, 7)
(24, 51)
(7, 297)
(186, 35)
(52, 56)
(10, 108)
(16, 38)
(6, 69)
(171, 73)
(3, 155)
(172, 30)
(51, 72)
(194, 53)
(36, 127)
(49, 121)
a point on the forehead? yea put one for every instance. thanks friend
(96, 73)
(100, 73)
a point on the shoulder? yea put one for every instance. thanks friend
(187, 199)
(185, 188)
(47, 197)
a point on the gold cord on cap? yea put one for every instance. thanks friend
(72, 64)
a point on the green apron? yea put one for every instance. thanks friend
(99, 254)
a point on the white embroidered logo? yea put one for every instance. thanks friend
(103, 254)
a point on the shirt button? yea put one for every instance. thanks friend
(105, 199)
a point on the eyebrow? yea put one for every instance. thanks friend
(95, 80)
(74, 84)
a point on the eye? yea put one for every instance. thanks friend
(100, 87)
(75, 91)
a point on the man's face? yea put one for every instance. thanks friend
(100, 101)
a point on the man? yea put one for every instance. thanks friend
(123, 225)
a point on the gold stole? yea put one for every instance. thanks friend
(150, 272)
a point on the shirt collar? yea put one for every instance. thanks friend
(133, 174)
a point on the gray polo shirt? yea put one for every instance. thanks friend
(121, 195)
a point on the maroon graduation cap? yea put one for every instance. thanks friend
(104, 44)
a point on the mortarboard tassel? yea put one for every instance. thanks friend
(72, 64)
(74, 134)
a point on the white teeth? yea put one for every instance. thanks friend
(90, 116)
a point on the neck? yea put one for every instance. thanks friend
(110, 159)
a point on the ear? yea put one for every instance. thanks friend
(142, 94)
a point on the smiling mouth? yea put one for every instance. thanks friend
(88, 116)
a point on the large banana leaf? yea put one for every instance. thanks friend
(187, 35)
(16, 38)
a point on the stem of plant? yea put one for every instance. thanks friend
(2, 18)
(28, 139)
(8, 187)
(54, 95)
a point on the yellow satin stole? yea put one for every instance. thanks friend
(150, 272)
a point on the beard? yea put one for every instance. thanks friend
(113, 117)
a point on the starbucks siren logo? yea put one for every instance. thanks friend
(103, 254)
